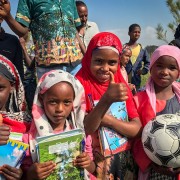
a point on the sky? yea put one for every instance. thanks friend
(117, 15)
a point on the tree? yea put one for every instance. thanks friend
(174, 7)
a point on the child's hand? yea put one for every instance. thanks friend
(132, 86)
(40, 170)
(82, 161)
(165, 170)
(4, 134)
(139, 72)
(116, 91)
(11, 173)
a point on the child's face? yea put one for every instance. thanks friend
(135, 34)
(125, 57)
(58, 103)
(103, 61)
(5, 90)
(164, 71)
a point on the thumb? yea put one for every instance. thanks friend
(1, 119)
(111, 78)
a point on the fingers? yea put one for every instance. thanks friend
(83, 160)
(41, 170)
(47, 165)
(111, 78)
(1, 119)
(4, 134)
(11, 172)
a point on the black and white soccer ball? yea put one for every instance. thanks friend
(161, 140)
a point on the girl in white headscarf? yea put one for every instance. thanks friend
(59, 105)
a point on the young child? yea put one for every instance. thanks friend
(58, 106)
(14, 118)
(101, 77)
(125, 57)
(139, 63)
(161, 96)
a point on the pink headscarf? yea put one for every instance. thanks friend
(164, 50)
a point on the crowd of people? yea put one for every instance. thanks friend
(46, 85)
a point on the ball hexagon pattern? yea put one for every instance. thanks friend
(161, 140)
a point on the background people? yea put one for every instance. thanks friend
(139, 63)
(87, 29)
(53, 28)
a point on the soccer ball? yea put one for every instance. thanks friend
(161, 140)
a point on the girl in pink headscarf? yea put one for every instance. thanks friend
(161, 96)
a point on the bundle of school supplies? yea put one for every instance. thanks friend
(62, 148)
(112, 142)
(13, 152)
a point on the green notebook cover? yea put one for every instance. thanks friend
(62, 149)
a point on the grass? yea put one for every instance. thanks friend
(144, 79)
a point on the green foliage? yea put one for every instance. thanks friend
(174, 8)
(69, 148)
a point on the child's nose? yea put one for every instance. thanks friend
(59, 107)
(105, 67)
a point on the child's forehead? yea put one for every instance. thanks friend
(166, 60)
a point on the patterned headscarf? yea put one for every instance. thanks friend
(91, 85)
(164, 50)
(15, 115)
(40, 125)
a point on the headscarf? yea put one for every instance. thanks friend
(91, 85)
(15, 115)
(164, 50)
(40, 125)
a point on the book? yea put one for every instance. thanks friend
(112, 142)
(62, 148)
(12, 153)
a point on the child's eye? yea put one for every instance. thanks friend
(1, 88)
(173, 68)
(112, 63)
(98, 61)
(67, 103)
(52, 102)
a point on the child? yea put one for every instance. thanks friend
(100, 75)
(161, 96)
(125, 57)
(58, 106)
(12, 105)
(139, 63)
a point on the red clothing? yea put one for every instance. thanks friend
(146, 114)
(97, 89)
(90, 84)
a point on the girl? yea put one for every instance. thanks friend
(100, 75)
(58, 106)
(125, 57)
(12, 109)
(161, 96)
